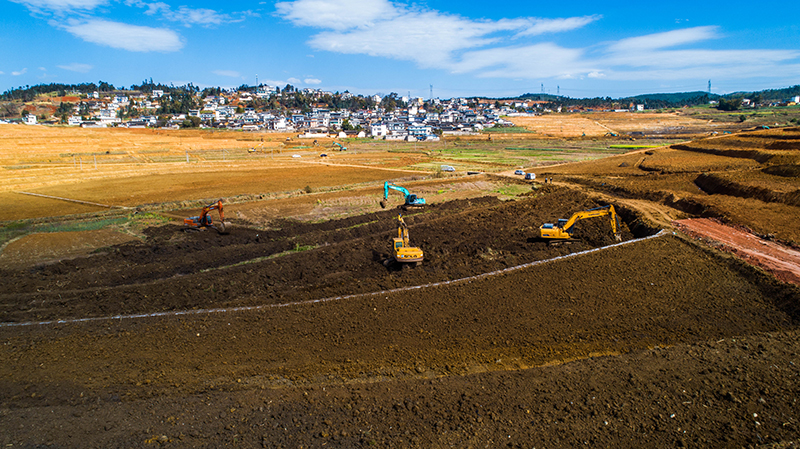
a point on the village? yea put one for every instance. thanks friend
(400, 118)
(312, 113)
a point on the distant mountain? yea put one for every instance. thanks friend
(769, 94)
(674, 98)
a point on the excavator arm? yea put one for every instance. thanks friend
(409, 198)
(402, 250)
(563, 230)
(205, 220)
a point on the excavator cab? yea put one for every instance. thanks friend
(411, 199)
(402, 251)
(562, 230)
(204, 220)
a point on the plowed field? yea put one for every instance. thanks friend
(299, 336)
(292, 333)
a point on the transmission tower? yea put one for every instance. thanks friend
(709, 86)
(542, 87)
(431, 91)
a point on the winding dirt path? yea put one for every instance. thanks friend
(782, 261)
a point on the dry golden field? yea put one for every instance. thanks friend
(127, 168)
(597, 124)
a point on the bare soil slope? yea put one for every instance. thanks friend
(427, 367)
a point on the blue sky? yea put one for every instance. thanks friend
(461, 48)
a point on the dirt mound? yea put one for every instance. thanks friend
(787, 171)
(712, 183)
(293, 261)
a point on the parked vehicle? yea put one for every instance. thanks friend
(519, 172)
(530, 175)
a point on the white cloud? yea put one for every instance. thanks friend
(536, 61)
(336, 14)
(508, 48)
(20, 72)
(190, 16)
(293, 81)
(542, 26)
(430, 38)
(61, 5)
(124, 36)
(77, 67)
(650, 57)
(312, 81)
(665, 40)
(229, 73)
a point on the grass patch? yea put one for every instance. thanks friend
(131, 224)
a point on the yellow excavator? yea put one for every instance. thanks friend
(402, 251)
(562, 231)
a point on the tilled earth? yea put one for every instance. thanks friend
(659, 342)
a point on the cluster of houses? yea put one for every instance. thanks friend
(413, 119)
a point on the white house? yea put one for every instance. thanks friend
(74, 121)
(378, 130)
(206, 115)
(29, 119)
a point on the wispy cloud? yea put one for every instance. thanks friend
(312, 81)
(515, 48)
(229, 73)
(124, 36)
(191, 16)
(337, 14)
(19, 72)
(60, 5)
(430, 38)
(665, 40)
(77, 67)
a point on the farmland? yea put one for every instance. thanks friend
(290, 331)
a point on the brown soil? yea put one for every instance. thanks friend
(783, 262)
(427, 367)
(287, 333)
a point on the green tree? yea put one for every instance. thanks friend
(191, 122)
(346, 126)
(732, 104)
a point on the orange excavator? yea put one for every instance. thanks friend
(204, 220)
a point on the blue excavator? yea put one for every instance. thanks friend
(411, 200)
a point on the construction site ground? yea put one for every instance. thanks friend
(290, 332)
